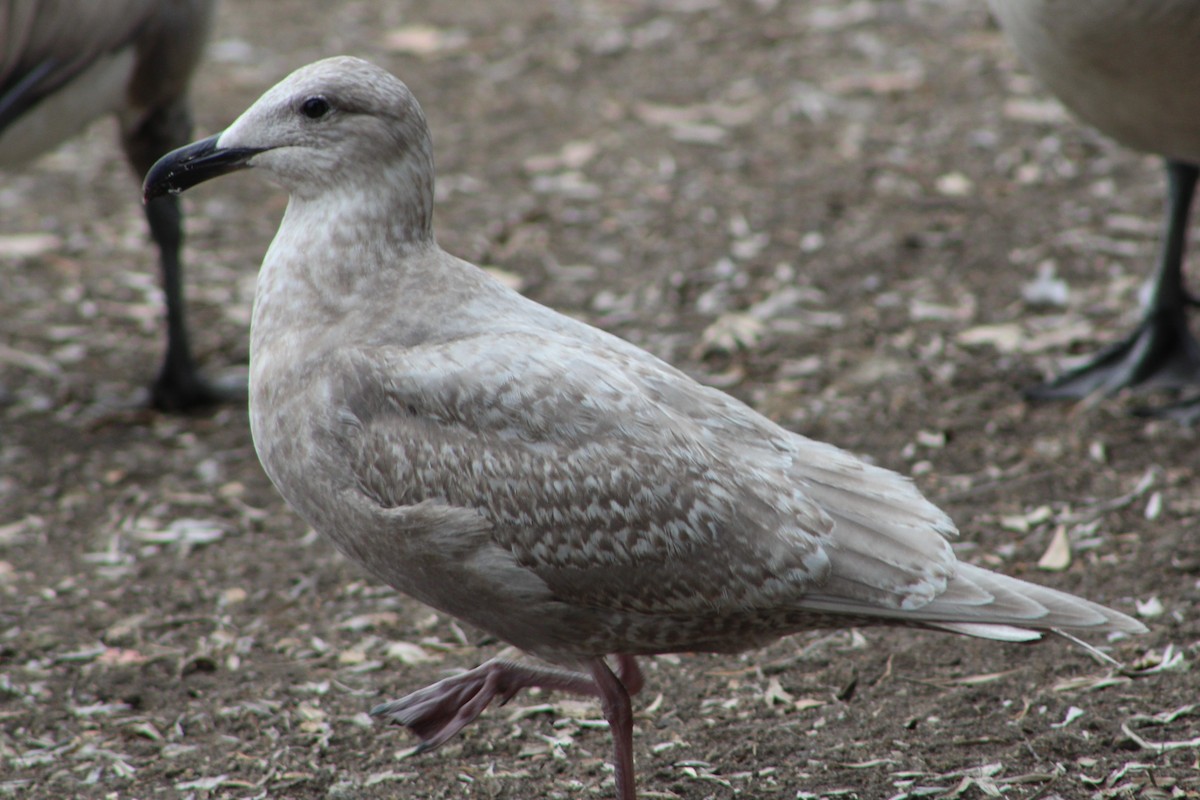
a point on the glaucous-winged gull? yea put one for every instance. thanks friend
(532, 475)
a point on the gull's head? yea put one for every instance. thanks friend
(338, 124)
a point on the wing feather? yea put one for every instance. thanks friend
(614, 500)
(625, 485)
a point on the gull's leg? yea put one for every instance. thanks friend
(437, 712)
(1161, 351)
(614, 699)
(630, 674)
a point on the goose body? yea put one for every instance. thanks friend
(66, 63)
(1131, 69)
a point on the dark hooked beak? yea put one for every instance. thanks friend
(195, 163)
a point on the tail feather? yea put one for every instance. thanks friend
(889, 560)
(1018, 602)
(1017, 610)
(999, 633)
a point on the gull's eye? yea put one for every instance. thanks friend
(315, 107)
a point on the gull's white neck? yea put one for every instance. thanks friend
(336, 253)
(339, 243)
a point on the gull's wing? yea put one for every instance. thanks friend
(623, 484)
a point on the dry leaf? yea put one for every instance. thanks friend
(185, 532)
(1150, 608)
(1073, 713)
(572, 155)
(1152, 661)
(232, 596)
(1023, 523)
(1058, 555)
(878, 82)
(1046, 290)
(30, 361)
(1154, 507)
(424, 40)
(1005, 337)
(924, 311)
(978, 680)
(575, 709)
(1041, 112)
(776, 694)
(1069, 332)
(362, 622)
(932, 440)
(954, 184)
(1089, 683)
(731, 333)
(17, 246)
(409, 653)
(118, 656)
(351, 657)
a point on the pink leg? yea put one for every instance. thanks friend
(437, 712)
(630, 674)
(614, 699)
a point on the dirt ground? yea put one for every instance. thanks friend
(833, 211)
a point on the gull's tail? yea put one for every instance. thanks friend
(978, 602)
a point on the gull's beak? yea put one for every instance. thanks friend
(192, 164)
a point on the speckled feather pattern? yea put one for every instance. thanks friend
(539, 478)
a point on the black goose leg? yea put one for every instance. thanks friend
(179, 386)
(1161, 351)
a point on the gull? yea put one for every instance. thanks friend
(63, 65)
(1132, 70)
(541, 479)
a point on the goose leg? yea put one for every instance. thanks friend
(179, 386)
(1161, 351)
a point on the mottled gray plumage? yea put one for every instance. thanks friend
(65, 63)
(1132, 69)
(535, 476)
